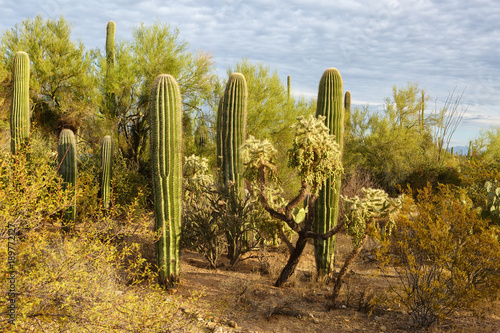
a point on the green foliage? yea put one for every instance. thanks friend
(201, 230)
(445, 255)
(31, 194)
(62, 85)
(165, 116)
(20, 107)
(215, 215)
(362, 213)
(315, 153)
(391, 145)
(85, 280)
(270, 113)
(153, 50)
(106, 169)
(67, 157)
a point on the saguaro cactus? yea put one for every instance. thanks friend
(20, 108)
(107, 169)
(231, 129)
(347, 111)
(330, 104)
(231, 133)
(67, 155)
(110, 59)
(165, 115)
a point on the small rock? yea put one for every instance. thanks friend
(232, 324)
(218, 329)
(211, 326)
(383, 328)
(343, 306)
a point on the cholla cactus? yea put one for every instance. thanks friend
(493, 199)
(362, 212)
(315, 153)
(196, 177)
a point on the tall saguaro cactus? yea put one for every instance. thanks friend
(20, 108)
(231, 133)
(110, 60)
(107, 169)
(231, 129)
(330, 104)
(165, 115)
(67, 156)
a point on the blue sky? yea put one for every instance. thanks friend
(442, 45)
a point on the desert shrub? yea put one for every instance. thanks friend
(446, 256)
(214, 213)
(31, 192)
(201, 227)
(90, 279)
(434, 175)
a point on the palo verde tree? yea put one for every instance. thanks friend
(271, 112)
(62, 84)
(153, 50)
(316, 156)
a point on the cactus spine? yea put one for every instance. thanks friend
(107, 169)
(165, 115)
(330, 104)
(67, 155)
(20, 108)
(231, 129)
(110, 59)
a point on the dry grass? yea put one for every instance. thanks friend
(244, 299)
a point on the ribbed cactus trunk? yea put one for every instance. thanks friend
(165, 115)
(329, 104)
(67, 156)
(231, 129)
(110, 60)
(106, 169)
(231, 134)
(347, 111)
(20, 107)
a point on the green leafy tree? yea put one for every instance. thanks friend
(154, 49)
(63, 88)
(270, 113)
(394, 144)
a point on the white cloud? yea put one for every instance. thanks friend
(439, 44)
